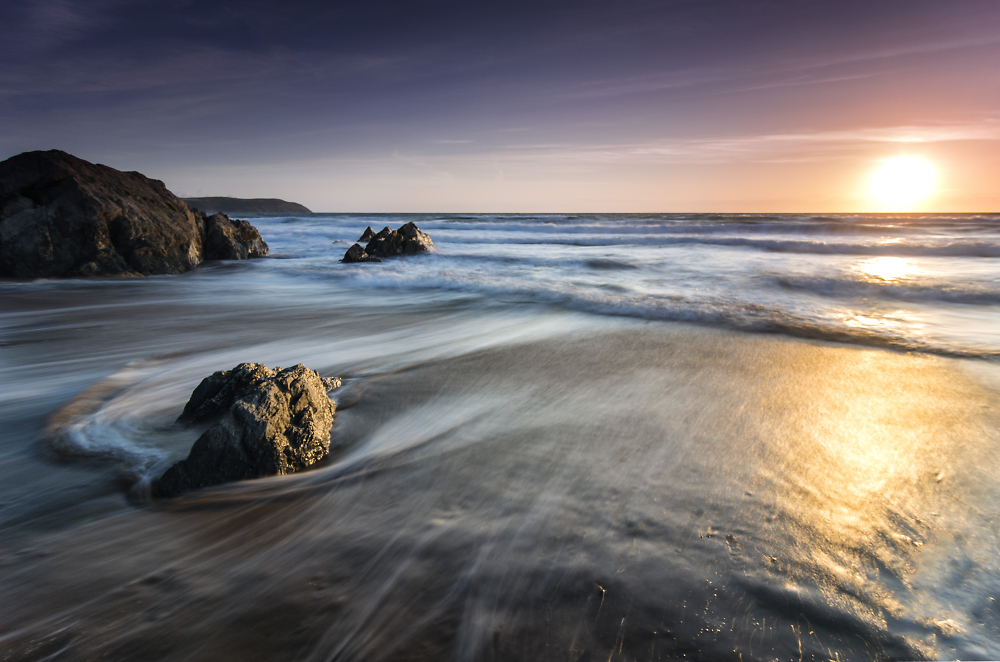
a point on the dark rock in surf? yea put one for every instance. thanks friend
(407, 240)
(367, 235)
(61, 216)
(357, 254)
(232, 239)
(267, 422)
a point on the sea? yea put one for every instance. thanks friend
(580, 437)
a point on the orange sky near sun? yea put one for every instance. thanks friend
(628, 179)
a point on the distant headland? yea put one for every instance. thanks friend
(246, 205)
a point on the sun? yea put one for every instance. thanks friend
(902, 182)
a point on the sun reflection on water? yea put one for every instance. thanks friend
(882, 270)
(887, 269)
(861, 320)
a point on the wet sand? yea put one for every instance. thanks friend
(550, 487)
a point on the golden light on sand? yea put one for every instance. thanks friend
(902, 182)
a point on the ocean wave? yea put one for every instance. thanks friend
(608, 264)
(899, 291)
(733, 224)
(862, 235)
(758, 318)
(977, 249)
(629, 227)
(692, 268)
(712, 310)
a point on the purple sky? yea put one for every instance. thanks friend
(535, 106)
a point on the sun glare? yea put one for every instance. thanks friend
(887, 269)
(902, 182)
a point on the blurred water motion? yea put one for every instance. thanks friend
(530, 462)
(617, 491)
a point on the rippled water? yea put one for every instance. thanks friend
(924, 282)
(580, 438)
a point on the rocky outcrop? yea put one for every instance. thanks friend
(407, 240)
(247, 205)
(232, 239)
(357, 254)
(61, 216)
(267, 422)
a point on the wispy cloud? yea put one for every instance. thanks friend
(803, 146)
(735, 77)
(801, 80)
(189, 69)
(768, 144)
(988, 38)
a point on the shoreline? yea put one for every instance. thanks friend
(553, 444)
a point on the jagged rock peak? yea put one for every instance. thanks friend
(407, 240)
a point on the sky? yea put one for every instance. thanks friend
(541, 106)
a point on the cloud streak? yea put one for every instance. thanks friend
(799, 146)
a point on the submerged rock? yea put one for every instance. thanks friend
(232, 239)
(407, 240)
(61, 216)
(268, 422)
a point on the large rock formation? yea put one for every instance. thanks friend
(268, 422)
(61, 216)
(407, 240)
